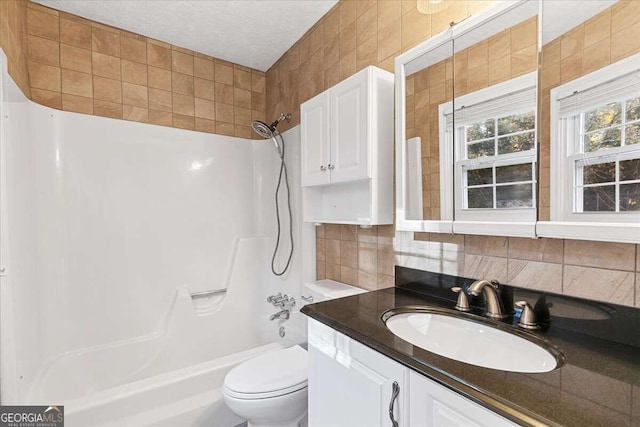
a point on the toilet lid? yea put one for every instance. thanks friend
(273, 374)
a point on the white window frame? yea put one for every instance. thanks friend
(498, 221)
(565, 223)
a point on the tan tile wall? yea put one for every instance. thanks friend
(13, 40)
(608, 37)
(78, 65)
(362, 257)
(351, 36)
(595, 270)
(325, 55)
(507, 55)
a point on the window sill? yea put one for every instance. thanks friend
(441, 226)
(494, 228)
(602, 232)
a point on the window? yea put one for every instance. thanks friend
(496, 153)
(508, 182)
(608, 182)
(596, 160)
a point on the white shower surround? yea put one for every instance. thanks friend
(107, 226)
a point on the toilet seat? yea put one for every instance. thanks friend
(271, 375)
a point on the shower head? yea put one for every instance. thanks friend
(268, 131)
(262, 129)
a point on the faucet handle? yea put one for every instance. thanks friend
(273, 298)
(527, 317)
(287, 302)
(463, 300)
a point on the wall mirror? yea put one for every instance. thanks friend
(428, 84)
(590, 121)
(467, 147)
(493, 119)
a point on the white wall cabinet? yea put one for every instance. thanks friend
(352, 385)
(350, 129)
(315, 130)
(347, 151)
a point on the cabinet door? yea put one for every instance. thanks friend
(314, 128)
(350, 129)
(351, 385)
(432, 405)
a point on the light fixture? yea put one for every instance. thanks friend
(432, 6)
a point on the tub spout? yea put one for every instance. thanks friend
(284, 314)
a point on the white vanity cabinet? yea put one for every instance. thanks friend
(347, 151)
(352, 385)
(431, 404)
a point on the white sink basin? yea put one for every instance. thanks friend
(447, 333)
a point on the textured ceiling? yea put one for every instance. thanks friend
(253, 33)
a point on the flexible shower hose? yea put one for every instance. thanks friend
(283, 171)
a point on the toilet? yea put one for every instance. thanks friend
(270, 390)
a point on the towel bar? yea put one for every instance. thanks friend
(208, 293)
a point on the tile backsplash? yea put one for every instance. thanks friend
(74, 64)
(594, 270)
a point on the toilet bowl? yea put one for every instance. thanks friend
(271, 390)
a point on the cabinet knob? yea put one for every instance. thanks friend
(330, 166)
(323, 168)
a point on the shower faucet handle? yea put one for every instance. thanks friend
(287, 302)
(274, 299)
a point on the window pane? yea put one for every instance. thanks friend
(514, 173)
(480, 176)
(633, 109)
(596, 174)
(481, 130)
(517, 123)
(630, 170)
(630, 197)
(632, 134)
(603, 117)
(480, 198)
(514, 196)
(515, 143)
(603, 139)
(599, 199)
(481, 149)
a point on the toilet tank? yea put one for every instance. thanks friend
(324, 290)
(318, 291)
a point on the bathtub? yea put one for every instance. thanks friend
(163, 379)
(189, 396)
(159, 380)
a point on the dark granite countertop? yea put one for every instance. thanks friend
(598, 385)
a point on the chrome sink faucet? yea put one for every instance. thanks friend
(492, 299)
